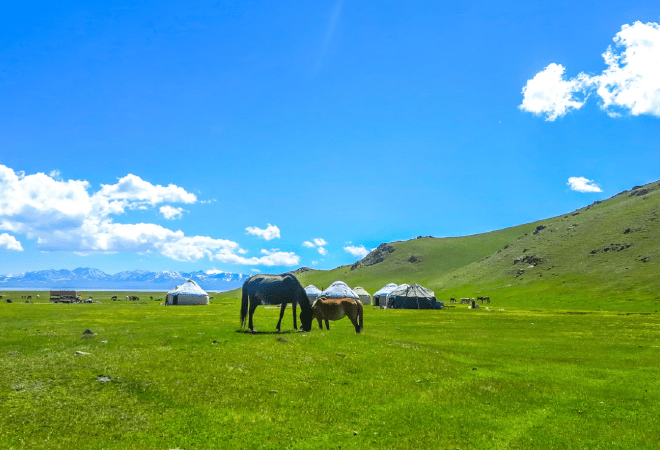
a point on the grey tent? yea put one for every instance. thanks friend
(379, 295)
(312, 293)
(387, 302)
(365, 297)
(411, 297)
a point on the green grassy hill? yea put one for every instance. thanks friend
(603, 256)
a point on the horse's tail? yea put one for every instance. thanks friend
(360, 315)
(244, 307)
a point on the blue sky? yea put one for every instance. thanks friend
(154, 135)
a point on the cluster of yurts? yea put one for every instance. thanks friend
(391, 296)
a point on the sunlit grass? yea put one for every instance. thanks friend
(414, 379)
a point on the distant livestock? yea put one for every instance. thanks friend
(326, 309)
(484, 299)
(114, 298)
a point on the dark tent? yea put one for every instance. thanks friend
(411, 297)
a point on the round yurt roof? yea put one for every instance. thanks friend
(359, 290)
(386, 289)
(313, 290)
(189, 288)
(339, 289)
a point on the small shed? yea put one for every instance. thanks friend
(365, 297)
(189, 293)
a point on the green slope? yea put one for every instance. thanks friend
(603, 256)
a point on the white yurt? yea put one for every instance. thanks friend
(312, 293)
(189, 293)
(388, 299)
(380, 294)
(339, 289)
(365, 297)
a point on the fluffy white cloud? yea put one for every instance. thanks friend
(549, 94)
(269, 259)
(9, 242)
(271, 232)
(170, 212)
(317, 243)
(357, 250)
(582, 184)
(64, 215)
(632, 80)
(134, 188)
(630, 84)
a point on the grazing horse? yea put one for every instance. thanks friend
(275, 290)
(326, 309)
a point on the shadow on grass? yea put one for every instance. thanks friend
(267, 332)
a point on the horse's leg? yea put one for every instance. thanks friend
(253, 306)
(320, 322)
(282, 309)
(327, 324)
(293, 306)
(354, 320)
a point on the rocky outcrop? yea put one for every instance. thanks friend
(375, 256)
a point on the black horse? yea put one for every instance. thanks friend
(275, 290)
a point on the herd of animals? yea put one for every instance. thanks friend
(265, 289)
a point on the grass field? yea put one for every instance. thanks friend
(155, 377)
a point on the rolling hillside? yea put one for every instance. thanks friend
(602, 256)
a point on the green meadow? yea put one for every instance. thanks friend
(567, 355)
(156, 377)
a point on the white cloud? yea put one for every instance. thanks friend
(582, 184)
(213, 272)
(9, 242)
(64, 215)
(54, 173)
(357, 250)
(630, 84)
(632, 80)
(135, 189)
(170, 212)
(255, 270)
(317, 243)
(271, 232)
(549, 94)
(271, 259)
(314, 263)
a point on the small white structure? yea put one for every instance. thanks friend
(365, 297)
(312, 293)
(339, 289)
(381, 294)
(189, 293)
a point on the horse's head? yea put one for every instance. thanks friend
(306, 316)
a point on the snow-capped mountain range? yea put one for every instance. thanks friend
(88, 278)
